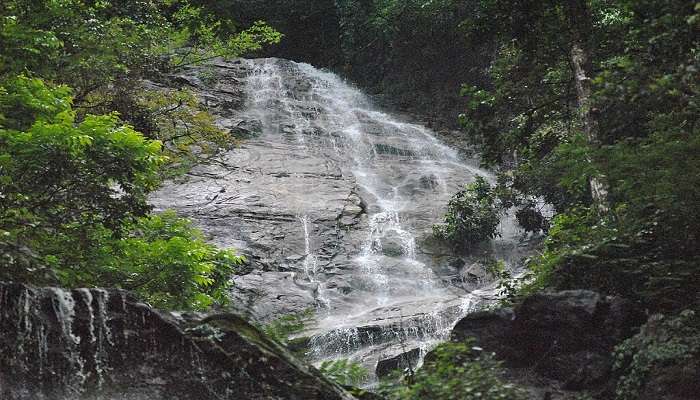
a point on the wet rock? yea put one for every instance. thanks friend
(270, 295)
(387, 149)
(489, 328)
(243, 129)
(361, 394)
(353, 210)
(393, 245)
(402, 361)
(561, 336)
(429, 182)
(94, 343)
(476, 273)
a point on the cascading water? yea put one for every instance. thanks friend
(333, 202)
(405, 176)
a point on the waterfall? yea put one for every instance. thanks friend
(406, 176)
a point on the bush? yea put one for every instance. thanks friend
(458, 371)
(167, 263)
(472, 216)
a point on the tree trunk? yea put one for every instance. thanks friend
(580, 24)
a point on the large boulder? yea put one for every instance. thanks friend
(102, 344)
(566, 336)
(487, 327)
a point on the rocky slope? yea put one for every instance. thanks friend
(333, 202)
(101, 344)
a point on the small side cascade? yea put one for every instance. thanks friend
(62, 337)
(310, 264)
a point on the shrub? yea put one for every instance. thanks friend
(472, 216)
(458, 371)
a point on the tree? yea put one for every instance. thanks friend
(580, 21)
(56, 171)
(591, 109)
(104, 50)
(556, 76)
(74, 210)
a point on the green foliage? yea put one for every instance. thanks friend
(25, 100)
(105, 49)
(642, 59)
(77, 164)
(663, 346)
(59, 172)
(506, 284)
(108, 42)
(287, 325)
(527, 117)
(344, 372)
(160, 257)
(182, 123)
(645, 249)
(167, 262)
(457, 371)
(197, 40)
(472, 216)
(74, 206)
(310, 28)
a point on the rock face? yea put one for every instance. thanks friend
(333, 202)
(566, 336)
(101, 344)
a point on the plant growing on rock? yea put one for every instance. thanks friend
(344, 372)
(457, 371)
(472, 216)
(663, 358)
(283, 327)
(507, 284)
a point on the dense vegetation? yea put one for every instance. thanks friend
(472, 216)
(413, 53)
(83, 142)
(592, 108)
(585, 108)
(455, 371)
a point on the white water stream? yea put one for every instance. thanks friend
(406, 176)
